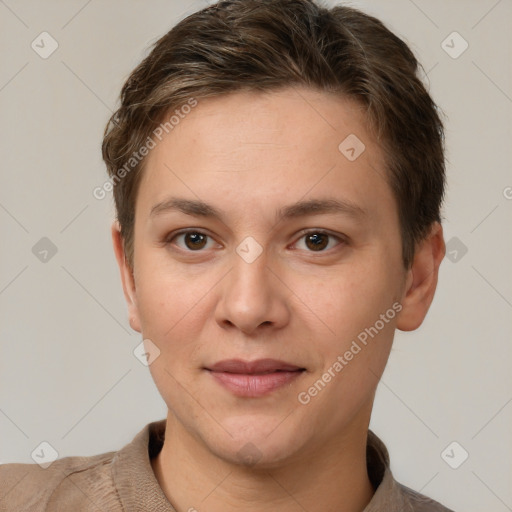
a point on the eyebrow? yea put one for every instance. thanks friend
(199, 208)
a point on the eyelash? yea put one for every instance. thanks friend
(341, 239)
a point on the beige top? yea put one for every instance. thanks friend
(124, 481)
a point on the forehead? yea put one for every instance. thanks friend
(260, 148)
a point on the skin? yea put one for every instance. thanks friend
(249, 154)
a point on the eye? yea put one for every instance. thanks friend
(318, 240)
(314, 240)
(193, 240)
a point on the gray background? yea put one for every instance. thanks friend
(67, 372)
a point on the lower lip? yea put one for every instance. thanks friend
(252, 386)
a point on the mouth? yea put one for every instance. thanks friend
(252, 379)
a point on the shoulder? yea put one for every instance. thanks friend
(421, 503)
(79, 483)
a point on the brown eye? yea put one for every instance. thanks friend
(192, 241)
(319, 241)
(195, 241)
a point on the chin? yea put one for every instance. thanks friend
(257, 455)
(262, 443)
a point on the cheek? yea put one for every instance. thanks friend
(170, 307)
(355, 348)
(171, 312)
(351, 300)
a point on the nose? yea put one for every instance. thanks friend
(253, 297)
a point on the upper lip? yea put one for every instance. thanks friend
(251, 367)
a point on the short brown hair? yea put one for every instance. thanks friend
(263, 45)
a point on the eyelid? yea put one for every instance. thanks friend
(307, 231)
(343, 239)
(169, 238)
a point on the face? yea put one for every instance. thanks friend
(268, 272)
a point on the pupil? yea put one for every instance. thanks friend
(318, 240)
(195, 238)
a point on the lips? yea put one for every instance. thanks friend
(254, 378)
(260, 366)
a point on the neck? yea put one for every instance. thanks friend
(330, 478)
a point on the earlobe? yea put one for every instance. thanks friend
(127, 277)
(421, 281)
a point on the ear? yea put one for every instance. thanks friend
(421, 280)
(126, 277)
